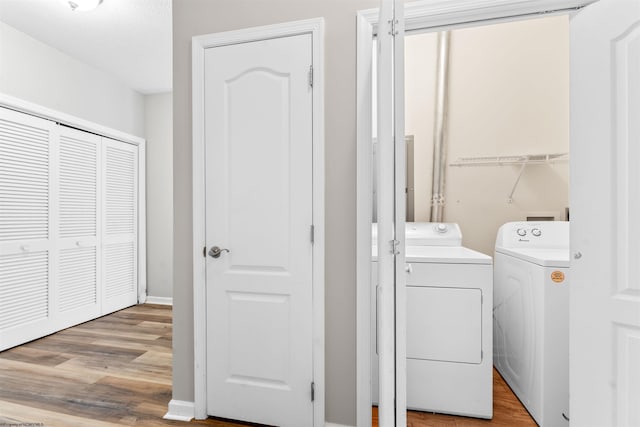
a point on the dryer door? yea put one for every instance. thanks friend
(444, 324)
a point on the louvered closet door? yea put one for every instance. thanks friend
(78, 227)
(25, 227)
(120, 221)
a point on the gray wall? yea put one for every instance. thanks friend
(35, 72)
(196, 17)
(159, 150)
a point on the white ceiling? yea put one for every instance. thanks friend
(129, 39)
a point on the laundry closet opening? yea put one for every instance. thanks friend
(487, 144)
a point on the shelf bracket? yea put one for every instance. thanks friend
(515, 184)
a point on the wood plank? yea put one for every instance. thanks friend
(142, 337)
(68, 346)
(29, 414)
(156, 345)
(23, 369)
(139, 371)
(155, 358)
(129, 332)
(34, 356)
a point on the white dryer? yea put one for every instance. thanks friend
(531, 316)
(449, 328)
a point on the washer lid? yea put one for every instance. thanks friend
(446, 255)
(542, 257)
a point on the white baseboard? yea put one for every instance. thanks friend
(159, 300)
(180, 410)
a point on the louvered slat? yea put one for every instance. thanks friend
(24, 289)
(120, 269)
(77, 279)
(24, 181)
(78, 187)
(120, 191)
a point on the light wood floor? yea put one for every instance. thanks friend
(116, 370)
(507, 412)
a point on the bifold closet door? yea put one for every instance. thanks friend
(120, 225)
(78, 189)
(26, 231)
(68, 227)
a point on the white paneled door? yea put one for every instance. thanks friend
(605, 215)
(258, 143)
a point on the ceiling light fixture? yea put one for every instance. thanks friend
(83, 5)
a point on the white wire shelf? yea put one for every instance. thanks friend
(524, 159)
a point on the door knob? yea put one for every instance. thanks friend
(215, 252)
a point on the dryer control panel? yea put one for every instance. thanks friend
(433, 234)
(525, 234)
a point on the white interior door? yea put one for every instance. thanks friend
(258, 144)
(391, 211)
(605, 203)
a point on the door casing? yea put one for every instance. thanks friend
(420, 16)
(315, 27)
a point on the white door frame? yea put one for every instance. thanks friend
(419, 15)
(315, 27)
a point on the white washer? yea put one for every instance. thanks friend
(531, 316)
(449, 332)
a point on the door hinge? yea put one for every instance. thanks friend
(310, 75)
(313, 391)
(392, 27)
(313, 234)
(394, 246)
(204, 252)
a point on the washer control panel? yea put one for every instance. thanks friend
(547, 234)
(524, 232)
